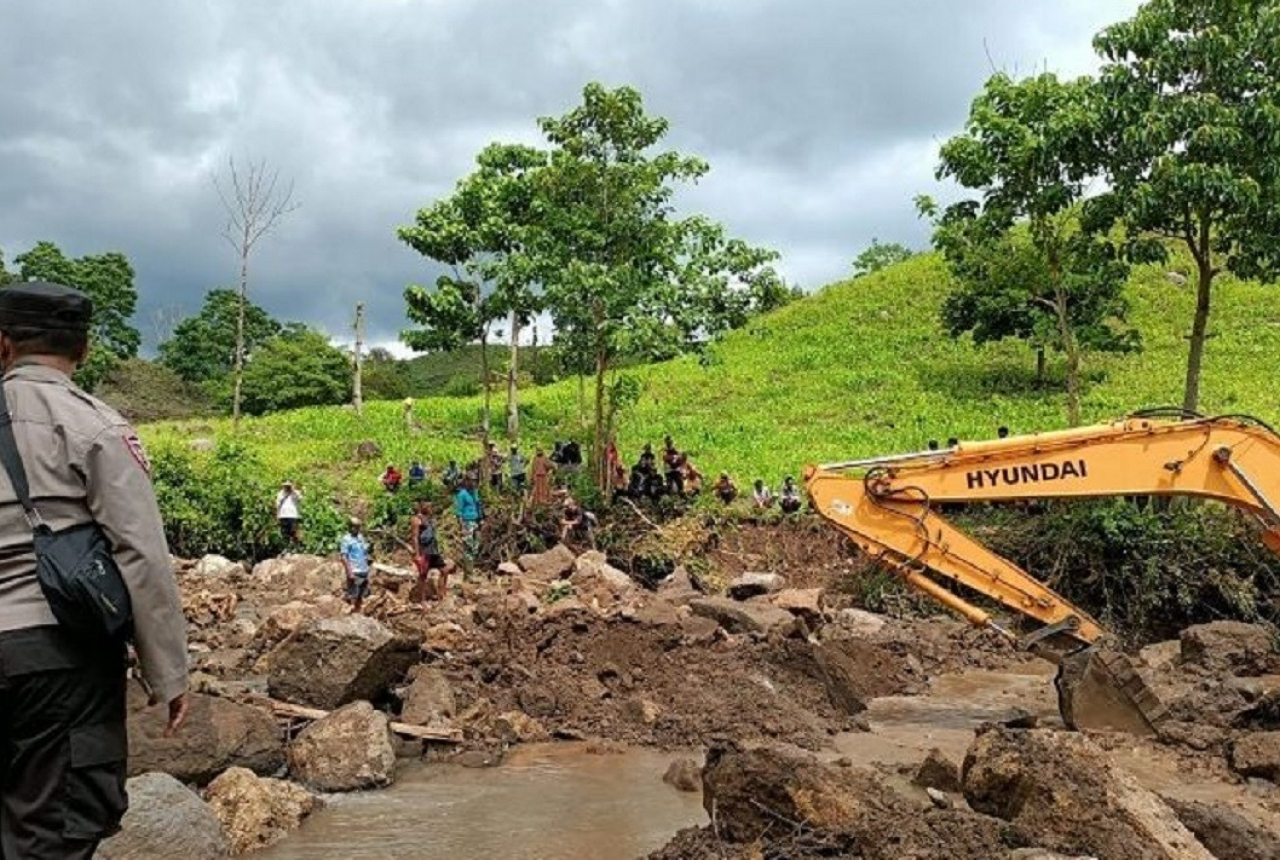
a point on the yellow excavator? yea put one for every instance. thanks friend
(889, 506)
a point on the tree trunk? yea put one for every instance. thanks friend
(484, 410)
(240, 311)
(513, 383)
(582, 399)
(1040, 365)
(599, 442)
(1200, 323)
(357, 389)
(1072, 351)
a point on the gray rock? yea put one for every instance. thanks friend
(684, 775)
(332, 661)
(750, 585)
(1228, 835)
(429, 700)
(735, 617)
(1257, 754)
(348, 750)
(549, 565)
(1229, 646)
(218, 734)
(165, 819)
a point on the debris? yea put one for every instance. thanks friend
(331, 661)
(435, 734)
(549, 565)
(738, 617)
(1227, 835)
(938, 771)
(1229, 646)
(165, 819)
(750, 585)
(685, 775)
(218, 734)
(1257, 754)
(429, 700)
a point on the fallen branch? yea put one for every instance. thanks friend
(286, 709)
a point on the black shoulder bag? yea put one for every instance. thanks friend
(77, 573)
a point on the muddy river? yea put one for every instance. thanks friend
(544, 803)
(559, 801)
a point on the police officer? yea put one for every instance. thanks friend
(62, 702)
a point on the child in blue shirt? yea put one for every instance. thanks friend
(354, 550)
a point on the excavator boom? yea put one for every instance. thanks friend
(889, 507)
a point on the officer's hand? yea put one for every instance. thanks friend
(177, 715)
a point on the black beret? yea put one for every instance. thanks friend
(42, 305)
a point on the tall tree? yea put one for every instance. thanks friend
(1029, 149)
(1190, 91)
(5, 277)
(482, 232)
(203, 347)
(108, 280)
(255, 202)
(621, 274)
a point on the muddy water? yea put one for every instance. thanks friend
(544, 803)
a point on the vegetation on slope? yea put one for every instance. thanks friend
(861, 368)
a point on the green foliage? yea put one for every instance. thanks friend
(108, 280)
(294, 369)
(1029, 149)
(1190, 127)
(202, 347)
(144, 391)
(223, 502)
(879, 255)
(5, 275)
(858, 369)
(1146, 570)
(382, 377)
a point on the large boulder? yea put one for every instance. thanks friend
(736, 617)
(549, 565)
(1227, 834)
(1257, 754)
(750, 585)
(1229, 646)
(593, 568)
(288, 617)
(859, 623)
(216, 565)
(1061, 792)
(429, 699)
(257, 812)
(684, 775)
(747, 792)
(298, 577)
(937, 771)
(218, 734)
(348, 750)
(678, 588)
(331, 661)
(165, 819)
(807, 603)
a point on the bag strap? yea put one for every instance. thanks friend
(12, 462)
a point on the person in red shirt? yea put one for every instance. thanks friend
(391, 478)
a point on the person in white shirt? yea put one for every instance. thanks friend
(762, 495)
(287, 514)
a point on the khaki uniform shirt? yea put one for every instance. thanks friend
(84, 463)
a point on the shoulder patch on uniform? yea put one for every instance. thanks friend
(134, 444)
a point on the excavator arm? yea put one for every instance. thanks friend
(889, 506)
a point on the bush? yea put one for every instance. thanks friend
(222, 502)
(1144, 569)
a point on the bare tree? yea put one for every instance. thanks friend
(357, 387)
(255, 201)
(164, 320)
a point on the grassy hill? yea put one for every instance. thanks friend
(860, 368)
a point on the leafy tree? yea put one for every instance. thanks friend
(1028, 147)
(296, 368)
(384, 376)
(108, 280)
(1190, 95)
(5, 277)
(880, 255)
(482, 233)
(202, 347)
(622, 275)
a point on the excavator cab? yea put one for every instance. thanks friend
(889, 506)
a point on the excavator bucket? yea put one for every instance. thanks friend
(1100, 690)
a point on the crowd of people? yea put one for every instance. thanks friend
(535, 482)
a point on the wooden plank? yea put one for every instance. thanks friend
(286, 709)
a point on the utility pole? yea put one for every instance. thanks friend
(357, 395)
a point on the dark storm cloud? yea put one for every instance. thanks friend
(820, 119)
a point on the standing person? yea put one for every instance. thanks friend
(495, 462)
(428, 557)
(790, 496)
(287, 502)
(542, 469)
(518, 469)
(62, 689)
(466, 505)
(451, 475)
(354, 550)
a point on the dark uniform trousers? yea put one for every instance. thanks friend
(63, 746)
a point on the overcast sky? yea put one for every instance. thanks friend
(820, 119)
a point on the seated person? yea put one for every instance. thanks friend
(762, 495)
(576, 521)
(417, 473)
(790, 502)
(391, 478)
(725, 489)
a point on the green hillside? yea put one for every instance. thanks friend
(860, 368)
